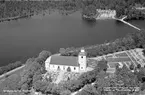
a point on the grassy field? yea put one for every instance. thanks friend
(10, 82)
(15, 72)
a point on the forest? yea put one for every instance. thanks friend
(88, 7)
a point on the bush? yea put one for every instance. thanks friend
(40, 86)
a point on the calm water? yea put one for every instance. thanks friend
(27, 37)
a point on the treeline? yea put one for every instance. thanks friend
(136, 14)
(9, 67)
(122, 7)
(23, 8)
(130, 41)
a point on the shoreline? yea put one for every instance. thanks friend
(11, 71)
(107, 18)
(44, 12)
(15, 18)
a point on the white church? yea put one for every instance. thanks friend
(67, 63)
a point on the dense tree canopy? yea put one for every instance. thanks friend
(89, 10)
(32, 73)
(24, 8)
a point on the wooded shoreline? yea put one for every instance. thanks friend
(11, 71)
(14, 18)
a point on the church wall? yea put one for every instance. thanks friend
(74, 70)
(55, 67)
(47, 62)
(82, 60)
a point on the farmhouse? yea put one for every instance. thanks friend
(67, 63)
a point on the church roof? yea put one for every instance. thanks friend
(64, 60)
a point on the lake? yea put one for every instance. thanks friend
(26, 38)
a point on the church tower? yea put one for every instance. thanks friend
(82, 60)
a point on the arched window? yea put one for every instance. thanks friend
(74, 68)
(58, 68)
(63, 67)
(69, 69)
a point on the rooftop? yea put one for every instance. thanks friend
(64, 60)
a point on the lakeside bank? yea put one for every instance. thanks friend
(44, 12)
(15, 18)
(10, 72)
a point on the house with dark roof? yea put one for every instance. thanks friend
(67, 63)
(113, 61)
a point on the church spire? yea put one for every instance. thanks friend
(82, 52)
(82, 59)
